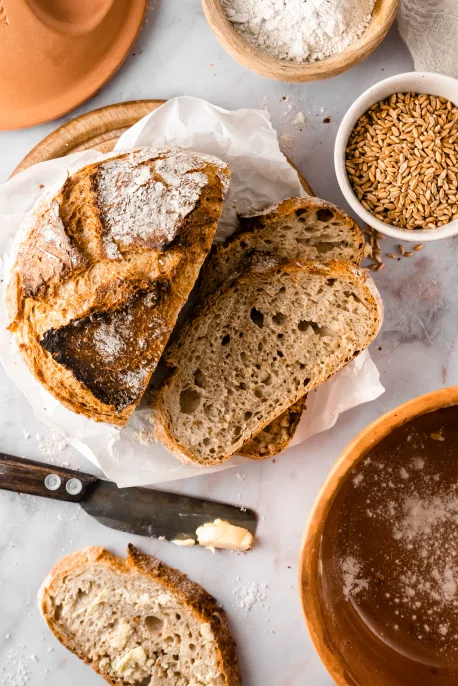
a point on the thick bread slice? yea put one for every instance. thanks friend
(259, 344)
(106, 264)
(277, 435)
(297, 228)
(302, 228)
(138, 622)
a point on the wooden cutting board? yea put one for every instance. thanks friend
(100, 130)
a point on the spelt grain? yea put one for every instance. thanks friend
(402, 160)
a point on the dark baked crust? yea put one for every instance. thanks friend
(113, 352)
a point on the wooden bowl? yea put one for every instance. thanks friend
(282, 70)
(353, 658)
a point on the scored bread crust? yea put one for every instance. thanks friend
(110, 258)
(229, 257)
(331, 269)
(199, 603)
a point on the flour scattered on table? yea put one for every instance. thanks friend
(55, 449)
(15, 669)
(51, 444)
(254, 594)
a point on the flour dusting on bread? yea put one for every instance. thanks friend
(143, 198)
(49, 252)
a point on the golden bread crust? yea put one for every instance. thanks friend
(107, 263)
(276, 436)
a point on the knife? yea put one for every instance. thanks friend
(134, 510)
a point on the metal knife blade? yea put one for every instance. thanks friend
(148, 512)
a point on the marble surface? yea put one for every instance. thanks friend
(416, 352)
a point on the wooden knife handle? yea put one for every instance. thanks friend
(34, 478)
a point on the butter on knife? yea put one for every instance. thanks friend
(221, 534)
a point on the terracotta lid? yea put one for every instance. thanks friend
(54, 54)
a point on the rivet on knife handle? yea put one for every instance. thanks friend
(27, 476)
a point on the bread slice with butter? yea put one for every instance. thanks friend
(138, 622)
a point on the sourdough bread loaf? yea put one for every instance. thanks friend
(138, 622)
(259, 344)
(105, 266)
(297, 228)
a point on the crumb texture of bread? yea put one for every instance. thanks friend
(105, 267)
(138, 622)
(260, 344)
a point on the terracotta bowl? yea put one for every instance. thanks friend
(351, 658)
(55, 54)
(282, 70)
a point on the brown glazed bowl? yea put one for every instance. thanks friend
(352, 658)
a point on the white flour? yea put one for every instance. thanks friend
(300, 30)
(351, 570)
(254, 594)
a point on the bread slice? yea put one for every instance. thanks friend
(138, 622)
(258, 345)
(302, 228)
(297, 228)
(106, 264)
(277, 435)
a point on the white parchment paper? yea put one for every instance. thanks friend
(261, 175)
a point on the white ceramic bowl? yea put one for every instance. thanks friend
(417, 82)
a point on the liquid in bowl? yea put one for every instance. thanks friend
(389, 558)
